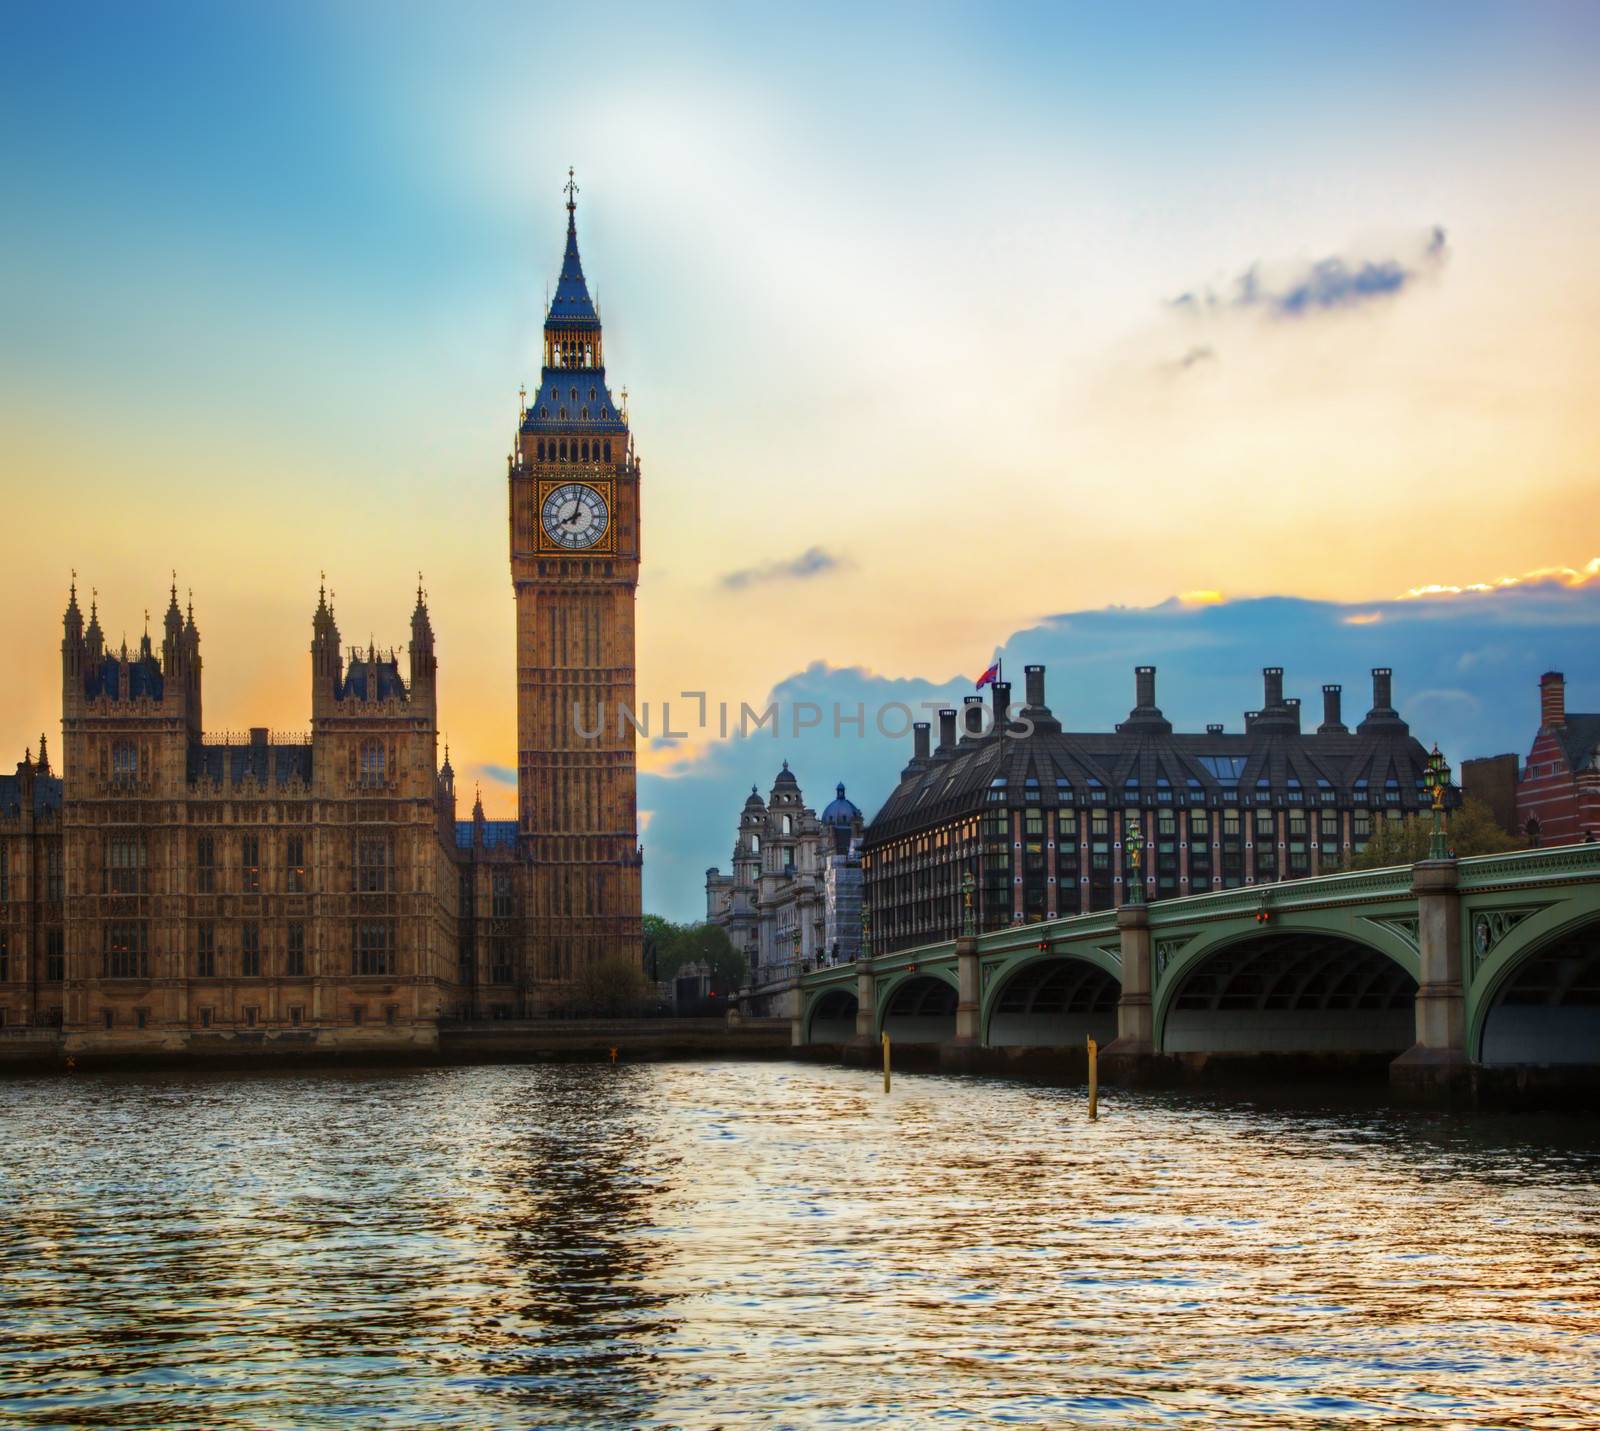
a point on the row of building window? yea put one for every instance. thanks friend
(125, 950)
(124, 868)
(502, 894)
(1000, 793)
(55, 957)
(574, 449)
(52, 873)
(916, 885)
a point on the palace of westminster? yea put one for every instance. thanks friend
(173, 889)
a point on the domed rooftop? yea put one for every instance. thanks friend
(753, 800)
(786, 777)
(840, 811)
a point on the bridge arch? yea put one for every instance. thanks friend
(1299, 989)
(918, 1006)
(1051, 999)
(831, 1016)
(1539, 1002)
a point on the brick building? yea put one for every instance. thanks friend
(1038, 817)
(1558, 789)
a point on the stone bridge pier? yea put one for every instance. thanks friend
(1437, 1066)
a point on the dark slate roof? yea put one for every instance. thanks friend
(1135, 767)
(1580, 742)
(497, 834)
(144, 679)
(265, 763)
(552, 408)
(373, 680)
(46, 795)
(571, 307)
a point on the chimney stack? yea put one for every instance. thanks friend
(1144, 687)
(1382, 689)
(1272, 687)
(1292, 705)
(969, 727)
(919, 738)
(1215, 729)
(1553, 700)
(947, 728)
(1002, 702)
(1034, 678)
(1332, 717)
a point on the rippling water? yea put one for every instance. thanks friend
(705, 1245)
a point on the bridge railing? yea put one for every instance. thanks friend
(1476, 871)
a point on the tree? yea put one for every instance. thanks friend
(708, 944)
(659, 934)
(614, 987)
(1403, 842)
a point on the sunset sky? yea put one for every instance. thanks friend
(936, 322)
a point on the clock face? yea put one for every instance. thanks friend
(574, 516)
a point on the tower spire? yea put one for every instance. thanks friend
(572, 323)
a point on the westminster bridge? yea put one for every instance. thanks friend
(1440, 970)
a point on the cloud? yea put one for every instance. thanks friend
(500, 774)
(1338, 282)
(1540, 576)
(1466, 673)
(813, 561)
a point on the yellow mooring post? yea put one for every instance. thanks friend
(886, 1061)
(1094, 1080)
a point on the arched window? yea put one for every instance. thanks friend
(574, 394)
(541, 449)
(584, 414)
(562, 413)
(787, 825)
(586, 450)
(563, 449)
(372, 763)
(124, 760)
(591, 394)
(608, 449)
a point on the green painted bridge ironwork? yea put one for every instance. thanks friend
(1490, 960)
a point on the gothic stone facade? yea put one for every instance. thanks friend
(575, 542)
(794, 893)
(176, 889)
(1039, 817)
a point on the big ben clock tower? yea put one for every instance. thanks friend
(574, 486)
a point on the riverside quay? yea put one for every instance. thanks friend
(1444, 971)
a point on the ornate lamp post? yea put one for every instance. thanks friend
(1133, 842)
(969, 923)
(797, 945)
(866, 928)
(1443, 799)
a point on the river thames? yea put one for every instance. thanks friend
(721, 1244)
